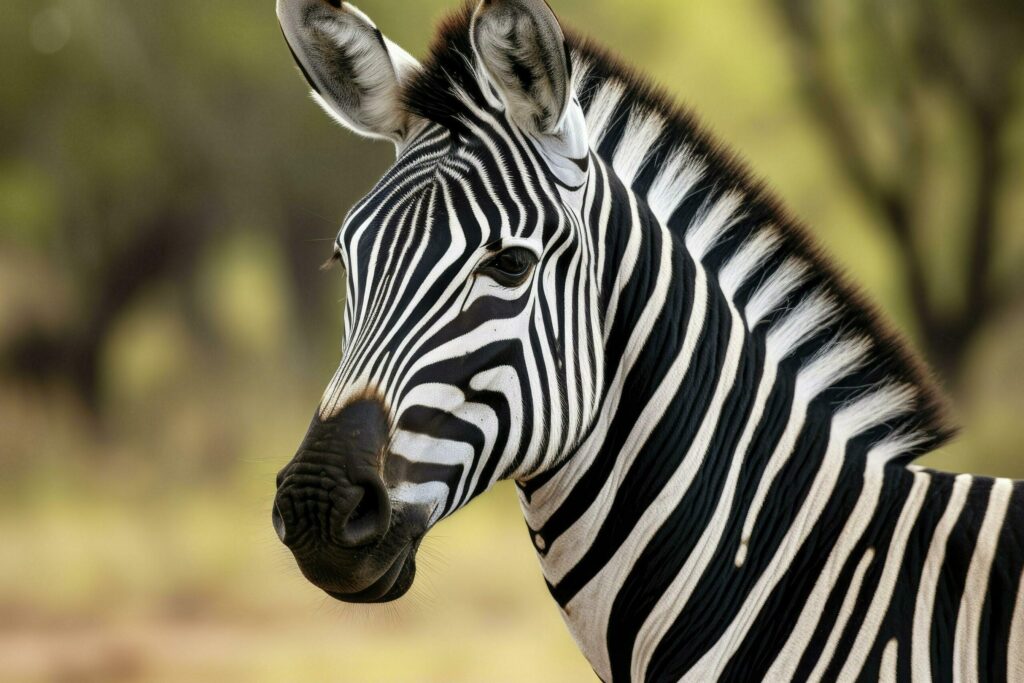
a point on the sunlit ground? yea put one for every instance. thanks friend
(199, 591)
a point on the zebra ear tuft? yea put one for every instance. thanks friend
(522, 52)
(355, 72)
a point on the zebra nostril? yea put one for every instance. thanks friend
(367, 519)
(278, 521)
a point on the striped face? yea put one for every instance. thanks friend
(472, 347)
(471, 314)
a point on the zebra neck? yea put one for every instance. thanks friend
(735, 516)
(712, 436)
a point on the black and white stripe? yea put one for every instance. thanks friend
(712, 433)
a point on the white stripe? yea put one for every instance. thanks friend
(604, 219)
(449, 399)
(455, 252)
(626, 266)
(931, 570)
(972, 602)
(426, 449)
(788, 658)
(382, 321)
(890, 662)
(883, 590)
(566, 550)
(853, 419)
(845, 610)
(677, 595)
(1015, 656)
(549, 497)
(713, 223)
(669, 190)
(593, 599)
(505, 380)
(637, 144)
(830, 365)
(344, 384)
(575, 358)
(601, 110)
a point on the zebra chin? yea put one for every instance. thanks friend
(340, 582)
(334, 512)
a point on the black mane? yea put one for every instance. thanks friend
(433, 93)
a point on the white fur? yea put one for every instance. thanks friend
(379, 70)
(681, 173)
(602, 108)
(890, 662)
(747, 258)
(642, 132)
(931, 570)
(713, 223)
(972, 601)
(775, 289)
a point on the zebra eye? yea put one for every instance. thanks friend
(510, 267)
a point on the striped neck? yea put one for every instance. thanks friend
(687, 411)
(739, 400)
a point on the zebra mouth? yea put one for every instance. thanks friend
(393, 584)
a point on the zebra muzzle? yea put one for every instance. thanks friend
(333, 510)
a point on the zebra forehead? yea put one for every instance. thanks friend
(487, 189)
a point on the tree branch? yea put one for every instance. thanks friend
(988, 104)
(832, 111)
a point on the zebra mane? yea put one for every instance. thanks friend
(707, 196)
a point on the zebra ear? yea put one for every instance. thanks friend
(355, 72)
(521, 50)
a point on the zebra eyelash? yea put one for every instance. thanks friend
(333, 261)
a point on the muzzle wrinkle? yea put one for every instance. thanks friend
(335, 512)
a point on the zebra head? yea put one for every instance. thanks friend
(472, 347)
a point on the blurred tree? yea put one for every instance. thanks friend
(894, 85)
(146, 146)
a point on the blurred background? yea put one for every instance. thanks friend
(168, 191)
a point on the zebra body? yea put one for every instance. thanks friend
(564, 282)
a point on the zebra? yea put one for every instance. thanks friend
(565, 281)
